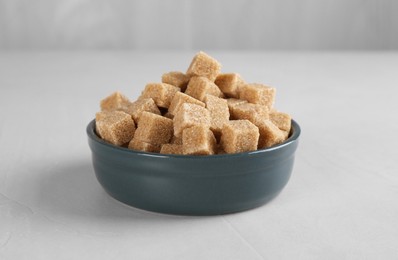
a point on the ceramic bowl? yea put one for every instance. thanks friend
(193, 185)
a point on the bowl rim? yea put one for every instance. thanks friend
(294, 135)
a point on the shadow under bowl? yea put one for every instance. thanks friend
(193, 185)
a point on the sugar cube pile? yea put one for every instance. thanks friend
(200, 112)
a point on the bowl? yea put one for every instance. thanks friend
(193, 185)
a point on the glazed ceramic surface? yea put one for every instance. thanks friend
(193, 185)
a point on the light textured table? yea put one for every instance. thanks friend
(341, 201)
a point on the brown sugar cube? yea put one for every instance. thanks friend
(181, 98)
(154, 129)
(205, 66)
(252, 112)
(190, 115)
(234, 102)
(282, 120)
(285, 134)
(116, 127)
(219, 113)
(177, 79)
(229, 84)
(239, 136)
(176, 140)
(115, 101)
(100, 116)
(136, 144)
(171, 149)
(161, 93)
(136, 108)
(270, 135)
(199, 87)
(198, 140)
(258, 94)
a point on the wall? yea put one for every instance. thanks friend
(204, 24)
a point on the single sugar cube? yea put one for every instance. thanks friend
(219, 113)
(161, 93)
(252, 112)
(285, 135)
(171, 149)
(181, 98)
(282, 120)
(234, 102)
(136, 144)
(176, 78)
(198, 140)
(205, 66)
(229, 84)
(190, 115)
(258, 94)
(154, 129)
(239, 136)
(116, 127)
(270, 135)
(115, 101)
(199, 87)
(136, 108)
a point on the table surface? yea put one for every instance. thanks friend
(340, 203)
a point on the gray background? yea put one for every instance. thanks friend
(205, 24)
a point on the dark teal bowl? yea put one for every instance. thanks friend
(193, 185)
